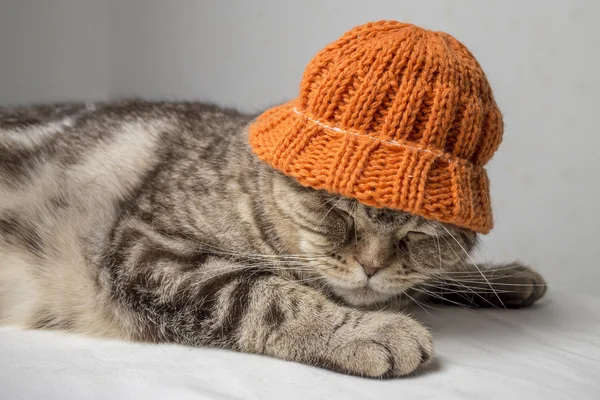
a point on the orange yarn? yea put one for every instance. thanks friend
(394, 116)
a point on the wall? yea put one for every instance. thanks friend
(53, 50)
(541, 58)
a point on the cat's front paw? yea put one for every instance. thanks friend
(385, 345)
(507, 286)
(517, 285)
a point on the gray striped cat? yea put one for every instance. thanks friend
(155, 222)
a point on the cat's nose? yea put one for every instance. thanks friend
(370, 268)
(374, 253)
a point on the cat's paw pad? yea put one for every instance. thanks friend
(386, 346)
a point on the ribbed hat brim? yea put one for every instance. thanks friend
(375, 172)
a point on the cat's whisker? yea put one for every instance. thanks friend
(443, 286)
(458, 283)
(474, 264)
(329, 201)
(330, 210)
(213, 273)
(264, 256)
(458, 257)
(437, 296)
(489, 271)
(352, 214)
(418, 303)
(470, 290)
(308, 280)
(467, 289)
(266, 268)
(216, 250)
(439, 251)
(499, 283)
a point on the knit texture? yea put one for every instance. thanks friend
(394, 116)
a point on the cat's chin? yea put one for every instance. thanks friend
(362, 292)
(361, 296)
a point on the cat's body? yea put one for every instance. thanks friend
(156, 222)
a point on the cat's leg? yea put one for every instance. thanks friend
(205, 301)
(503, 286)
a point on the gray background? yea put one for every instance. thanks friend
(541, 57)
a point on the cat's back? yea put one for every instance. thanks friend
(65, 169)
(100, 148)
(83, 160)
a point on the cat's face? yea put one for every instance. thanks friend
(364, 254)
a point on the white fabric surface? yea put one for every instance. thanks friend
(550, 351)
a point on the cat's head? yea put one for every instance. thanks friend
(365, 255)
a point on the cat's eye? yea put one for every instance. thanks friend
(348, 218)
(348, 221)
(343, 214)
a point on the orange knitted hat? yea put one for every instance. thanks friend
(394, 116)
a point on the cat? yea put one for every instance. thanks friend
(155, 222)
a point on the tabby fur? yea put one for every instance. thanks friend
(155, 222)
